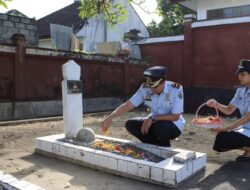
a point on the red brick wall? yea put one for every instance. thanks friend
(169, 54)
(6, 76)
(41, 77)
(101, 78)
(216, 54)
(209, 59)
(135, 78)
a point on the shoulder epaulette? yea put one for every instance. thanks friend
(175, 85)
(144, 85)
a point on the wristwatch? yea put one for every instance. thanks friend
(153, 118)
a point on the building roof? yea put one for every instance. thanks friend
(67, 16)
(15, 12)
(190, 4)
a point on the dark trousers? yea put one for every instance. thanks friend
(159, 133)
(230, 140)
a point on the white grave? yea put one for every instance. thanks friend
(174, 169)
(176, 166)
(72, 102)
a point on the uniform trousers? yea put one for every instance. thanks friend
(230, 140)
(160, 133)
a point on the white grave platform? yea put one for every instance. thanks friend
(169, 172)
(9, 182)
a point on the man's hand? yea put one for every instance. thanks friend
(146, 125)
(212, 103)
(105, 124)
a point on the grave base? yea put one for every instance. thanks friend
(169, 172)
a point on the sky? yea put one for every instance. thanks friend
(41, 8)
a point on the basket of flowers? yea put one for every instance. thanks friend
(209, 121)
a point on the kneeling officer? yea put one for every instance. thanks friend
(165, 99)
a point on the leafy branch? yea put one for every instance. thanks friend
(140, 3)
(114, 13)
(172, 22)
(3, 3)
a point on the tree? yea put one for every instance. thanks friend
(172, 22)
(114, 12)
(3, 3)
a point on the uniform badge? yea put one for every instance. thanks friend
(148, 98)
(168, 96)
(180, 95)
(241, 64)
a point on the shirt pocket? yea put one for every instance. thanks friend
(240, 102)
(167, 103)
